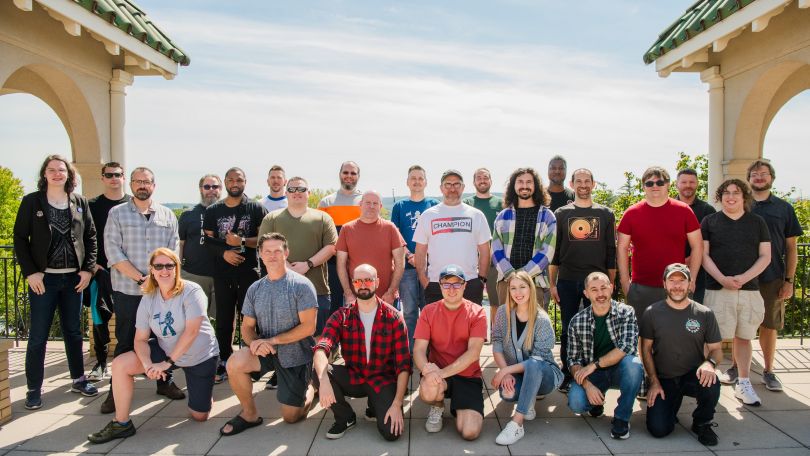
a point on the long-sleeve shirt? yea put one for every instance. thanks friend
(621, 325)
(506, 340)
(544, 241)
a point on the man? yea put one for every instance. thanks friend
(452, 232)
(603, 341)
(447, 348)
(311, 235)
(343, 206)
(374, 241)
(560, 195)
(373, 340)
(490, 205)
(658, 227)
(100, 290)
(276, 182)
(278, 321)
(675, 335)
(736, 249)
(586, 242)
(198, 266)
(405, 214)
(231, 229)
(776, 282)
(687, 185)
(133, 230)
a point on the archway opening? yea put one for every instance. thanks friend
(786, 145)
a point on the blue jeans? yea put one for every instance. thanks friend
(60, 293)
(571, 297)
(412, 297)
(627, 376)
(324, 311)
(537, 378)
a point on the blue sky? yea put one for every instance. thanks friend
(456, 84)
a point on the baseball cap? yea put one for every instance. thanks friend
(452, 270)
(451, 172)
(677, 268)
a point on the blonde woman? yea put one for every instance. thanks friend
(174, 310)
(522, 339)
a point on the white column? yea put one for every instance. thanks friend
(712, 77)
(118, 119)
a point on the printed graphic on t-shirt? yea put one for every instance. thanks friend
(225, 224)
(692, 325)
(451, 225)
(166, 324)
(584, 229)
(413, 216)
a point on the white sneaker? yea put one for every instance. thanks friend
(98, 373)
(530, 415)
(434, 419)
(744, 391)
(510, 434)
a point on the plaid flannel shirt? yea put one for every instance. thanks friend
(389, 345)
(545, 239)
(621, 325)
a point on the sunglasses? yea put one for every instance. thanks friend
(366, 282)
(660, 183)
(162, 266)
(297, 189)
(455, 286)
(111, 175)
(210, 186)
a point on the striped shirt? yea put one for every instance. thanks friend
(621, 325)
(545, 239)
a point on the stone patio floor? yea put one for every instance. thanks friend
(781, 426)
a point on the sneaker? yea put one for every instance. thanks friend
(98, 373)
(596, 411)
(729, 377)
(171, 391)
(370, 414)
(619, 429)
(530, 415)
(221, 375)
(540, 397)
(33, 399)
(771, 381)
(108, 406)
(510, 434)
(705, 433)
(744, 391)
(565, 386)
(272, 383)
(84, 388)
(434, 419)
(113, 430)
(338, 429)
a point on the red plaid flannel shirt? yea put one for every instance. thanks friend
(389, 345)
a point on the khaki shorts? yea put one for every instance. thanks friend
(774, 307)
(738, 312)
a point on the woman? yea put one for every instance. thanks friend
(55, 244)
(522, 339)
(174, 310)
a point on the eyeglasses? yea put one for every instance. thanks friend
(366, 282)
(297, 189)
(211, 186)
(651, 184)
(111, 175)
(142, 182)
(162, 266)
(449, 185)
(448, 285)
(755, 175)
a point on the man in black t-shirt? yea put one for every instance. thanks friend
(687, 185)
(198, 266)
(560, 195)
(231, 229)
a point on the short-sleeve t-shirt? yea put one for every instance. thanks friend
(196, 258)
(448, 333)
(404, 216)
(782, 223)
(560, 199)
(100, 208)
(678, 336)
(489, 206)
(452, 235)
(306, 235)
(658, 235)
(734, 245)
(371, 243)
(271, 204)
(275, 305)
(167, 321)
(702, 209)
(342, 208)
(220, 218)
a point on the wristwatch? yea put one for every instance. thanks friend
(596, 363)
(712, 362)
(169, 360)
(310, 264)
(140, 281)
(483, 279)
(789, 279)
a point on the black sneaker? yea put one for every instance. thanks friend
(597, 411)
(171, 391)
(565, 386)
(221, 375)
(108, 406)
(370, 414)
(705, 433)
(33, 399)
(338, 429)
(272, 383)
(84, 388)
(113, 430)
(619, 429)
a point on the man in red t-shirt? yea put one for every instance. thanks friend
(657, 227)
(371, 240)
(454, 329)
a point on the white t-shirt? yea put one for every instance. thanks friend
(271, 204)
(368, 322)
(452, 235)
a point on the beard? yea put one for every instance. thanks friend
(236, 193)
(207, 201)
(142, 194)
(525, 196)
(678, 297)
(348, 186)
(761, 188)
(364, 293)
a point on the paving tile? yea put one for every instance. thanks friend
(794, 424)
(170, 435)
(449, 442)
(419, 409)
(70, 434)
(362, 439)
(558, 436)
(145, 403)
(24, 427)
(273, 437)
(744, 430)
(773, 452)
(553, 405)
(641, 442)
(789, 399)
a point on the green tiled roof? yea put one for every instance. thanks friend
(697, 19)
(127, 16)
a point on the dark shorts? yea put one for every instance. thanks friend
(774, 307)
(292, 381)
(199, 378)
(465, 394)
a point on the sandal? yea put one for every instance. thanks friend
(239, 424)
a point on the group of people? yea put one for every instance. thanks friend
(303, 284)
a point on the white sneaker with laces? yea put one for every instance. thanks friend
(744, 391)
(510, 434)
(98, 373)
(434, 419)
(530, 415)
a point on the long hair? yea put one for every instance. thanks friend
(72, 177)
(151, 285)
(534, 307)
(748, 198)
(540, 196)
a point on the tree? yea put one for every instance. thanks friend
(11, 192)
